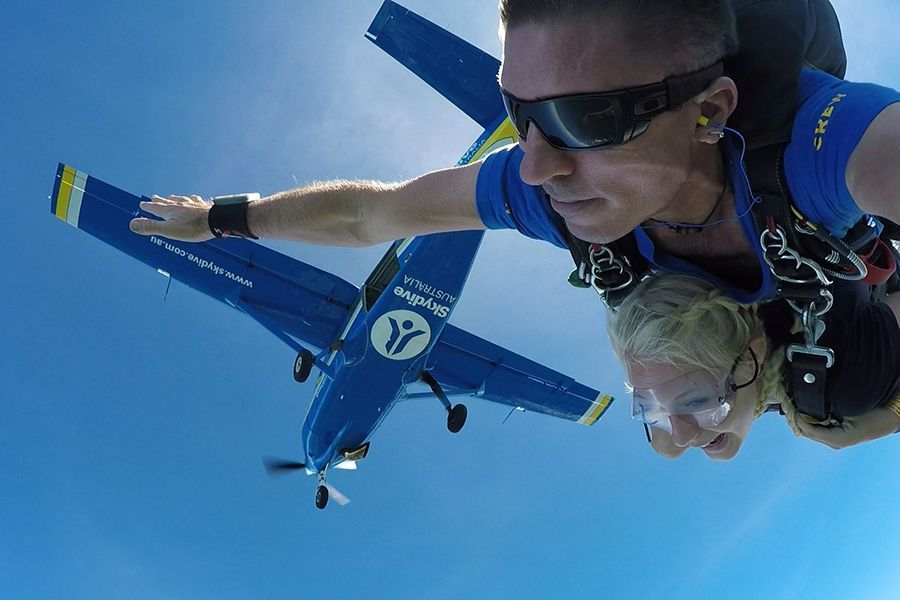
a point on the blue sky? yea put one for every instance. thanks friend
(131, 428)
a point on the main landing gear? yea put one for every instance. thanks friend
(456, 418)
(456, 415)
(303, 365)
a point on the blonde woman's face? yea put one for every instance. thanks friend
(673, 388)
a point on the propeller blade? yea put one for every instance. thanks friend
(276, 467)
(347, 465)
(337, 496)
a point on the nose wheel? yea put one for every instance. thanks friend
(321, 497)
(321, 490)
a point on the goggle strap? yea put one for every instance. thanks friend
(756, 372)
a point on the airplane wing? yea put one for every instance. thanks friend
(466, 364)
(290, 298)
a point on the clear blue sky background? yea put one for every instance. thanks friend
(131, 428)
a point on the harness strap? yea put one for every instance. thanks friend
(808, 294)
(880, 262)
(808, 376)
(613, 270)
(787, 239)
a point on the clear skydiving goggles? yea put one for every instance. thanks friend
(700, 396)
(583, 121)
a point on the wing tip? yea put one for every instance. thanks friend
(68, 191)
(596, 410)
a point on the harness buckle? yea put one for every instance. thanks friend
(798, 349)
(603, 262)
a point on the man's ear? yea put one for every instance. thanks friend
(716, 103)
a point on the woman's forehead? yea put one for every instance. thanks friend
(665, 376)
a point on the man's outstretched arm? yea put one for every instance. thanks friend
(335, 213)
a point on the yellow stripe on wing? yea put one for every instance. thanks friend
(71, 193)
(504, 135)
(65, 192)
(597, 408)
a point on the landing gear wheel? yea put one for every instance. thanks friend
(456, 418)
(303, 365)
(321, 497)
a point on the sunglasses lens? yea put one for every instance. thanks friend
(574, 122)
(512, 111)
(581, 122)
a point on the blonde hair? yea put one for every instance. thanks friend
(684, 321)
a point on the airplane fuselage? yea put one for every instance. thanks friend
(385, 346)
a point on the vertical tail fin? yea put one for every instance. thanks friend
(459, 71)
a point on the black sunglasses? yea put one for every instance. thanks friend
(595, 120)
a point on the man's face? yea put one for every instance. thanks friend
(605, 193)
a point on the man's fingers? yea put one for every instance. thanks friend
(183, 218)
(144, 226)
(158, 209)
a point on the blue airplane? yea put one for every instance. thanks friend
(372, 344)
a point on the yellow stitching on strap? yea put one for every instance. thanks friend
(893, 405)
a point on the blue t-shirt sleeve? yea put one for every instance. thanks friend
(832, 116)
(504, 201)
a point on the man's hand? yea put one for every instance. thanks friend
(184, 218)
(875, 424)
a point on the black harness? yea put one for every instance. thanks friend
(805, 262)
(805, 259)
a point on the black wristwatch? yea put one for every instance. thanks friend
(228, 216)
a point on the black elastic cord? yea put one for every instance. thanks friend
(756, 371)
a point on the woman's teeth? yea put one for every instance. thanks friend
(715, 442)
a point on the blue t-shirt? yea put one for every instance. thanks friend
(832, 116)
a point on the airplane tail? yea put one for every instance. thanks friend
(459, 71)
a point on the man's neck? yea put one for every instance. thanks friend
(701, 197)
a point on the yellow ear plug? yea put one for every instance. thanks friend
(703, 121)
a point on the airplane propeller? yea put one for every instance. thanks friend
(337, 496)
(276, 467)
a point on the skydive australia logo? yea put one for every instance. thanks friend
(414, 299)
(400, 334)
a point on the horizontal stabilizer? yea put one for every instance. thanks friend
(455, 68)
